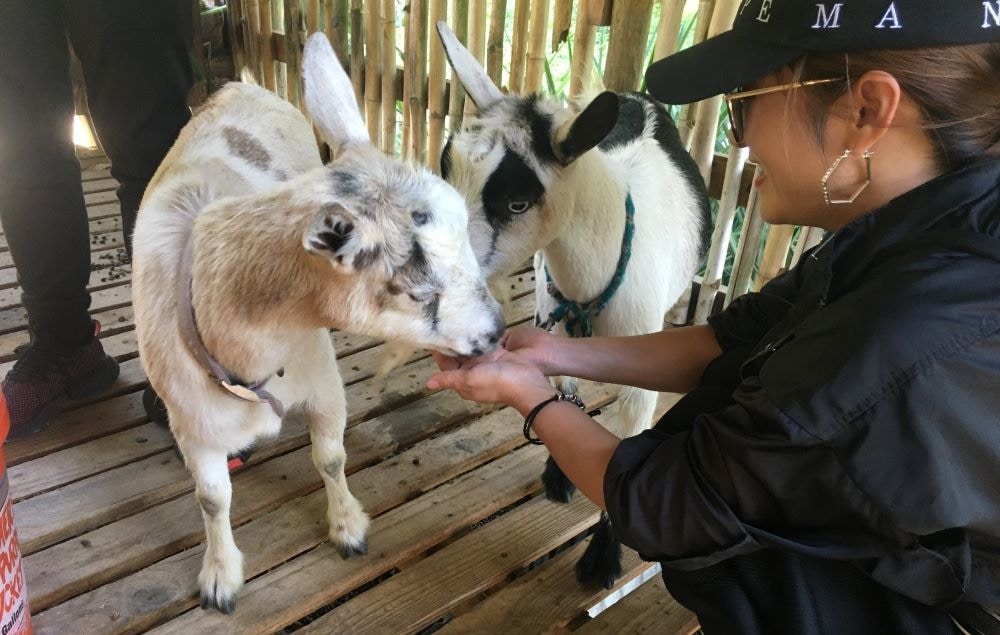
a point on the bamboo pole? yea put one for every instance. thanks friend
(712, 280)
(584, 39)
(388, 17)
(626, 51)
(280, 68)
(668, 31)
(335, 24)
(477, 41)
(436, 104)
(746, 251)
(536, 46)
(494, 43)
(415, 69)
(456, 101)
(519, 45)
(706, 124)
(561, 19)
(293, 51)
(404, 132)
(357, 53)
(688, 114)
(809, 237)
(254, 53)
(779, 240)
(235, 28)
(373, 73)
(312, 14)
(267, 46)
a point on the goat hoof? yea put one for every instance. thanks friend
(558, 488)
(223, 603)
(347, 551)
(601, 561)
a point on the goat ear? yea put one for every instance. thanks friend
(332, 235)
(587, 129)
(470, 72)
(330, 97)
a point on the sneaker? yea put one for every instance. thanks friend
(41, 381)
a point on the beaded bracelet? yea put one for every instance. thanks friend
(530, 419)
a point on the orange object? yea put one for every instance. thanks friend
(15, 617)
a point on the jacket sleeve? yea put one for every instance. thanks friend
(741, 478)
(750, 316)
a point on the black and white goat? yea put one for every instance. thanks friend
(613, 203)
(248, 249)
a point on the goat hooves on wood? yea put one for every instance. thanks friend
(601, 562)
(558, 488)
(224, 603)
(348, 551)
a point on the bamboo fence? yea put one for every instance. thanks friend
(406, 93)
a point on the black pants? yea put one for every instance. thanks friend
(776, 592)
(136, 62)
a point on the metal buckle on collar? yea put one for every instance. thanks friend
(242, 392)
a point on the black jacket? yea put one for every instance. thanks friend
(865, 426)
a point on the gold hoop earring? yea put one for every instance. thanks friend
(867, 156)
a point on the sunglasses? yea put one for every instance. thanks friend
(736, 104)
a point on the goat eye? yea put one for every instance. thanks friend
(518, 207)
(420, 218)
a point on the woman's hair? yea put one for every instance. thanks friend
(957, 89)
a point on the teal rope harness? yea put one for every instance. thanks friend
(578, 315)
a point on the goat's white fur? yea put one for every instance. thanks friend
(246, 184)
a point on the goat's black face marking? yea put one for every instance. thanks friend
(366, 257)
(345, 184)
(247, 147)
(540, 126)
(510, 186)
(431, 312)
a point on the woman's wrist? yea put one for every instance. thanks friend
(530, 396)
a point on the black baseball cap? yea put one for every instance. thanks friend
(769, 34)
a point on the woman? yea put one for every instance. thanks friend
(833, 467)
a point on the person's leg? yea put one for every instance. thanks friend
(41, 198)
(775, 592)
(45, 219)
(137, 66)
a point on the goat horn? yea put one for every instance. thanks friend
(470, 72)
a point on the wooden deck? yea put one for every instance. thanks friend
(461, 540)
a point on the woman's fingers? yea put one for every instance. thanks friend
(444, 362)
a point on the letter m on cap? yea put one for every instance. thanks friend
(830, 18)
(991, 13)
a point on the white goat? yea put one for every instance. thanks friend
(541, 176)
(279, 250)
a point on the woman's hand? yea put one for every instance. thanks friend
(499, 377)
(534, 345)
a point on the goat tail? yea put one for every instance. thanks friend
(247, 76)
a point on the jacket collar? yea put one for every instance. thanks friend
(967, 200)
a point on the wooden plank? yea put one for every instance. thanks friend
(648, 609)
(472, 564)
(169, 586)
(99, 185)
(543, 600)
(102, 276)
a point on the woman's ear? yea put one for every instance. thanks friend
(874, 102)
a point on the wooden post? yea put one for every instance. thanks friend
(388, 76)
(746, 251)
(519, 45)
(584, 38)
(373, 72)
(599, 11)
(772, 263)
(414, 71)
(712, 280)
(561, 19)
(706, 125)
(358, 53)
(668, 31)
(627, 46)
(254, 53)
(456, 101)
(477, 41)
(536, 46)
(436, 105)
(494, 43)
(293, 51)
(688, 114)
(267, 46)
